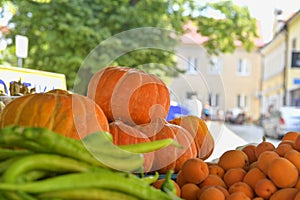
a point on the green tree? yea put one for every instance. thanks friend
(62, 33)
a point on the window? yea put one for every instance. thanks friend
(243, 67)
(214, 99)
(215, 66)
(192, 65)
(242, 101)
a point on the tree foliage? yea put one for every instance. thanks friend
(62, 33)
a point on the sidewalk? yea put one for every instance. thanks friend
(224, 138)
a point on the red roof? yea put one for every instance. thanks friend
(191, 36)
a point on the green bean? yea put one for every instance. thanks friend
(103, 179)
(86, 193)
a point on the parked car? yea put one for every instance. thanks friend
(282, 121)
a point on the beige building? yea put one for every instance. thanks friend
(281, 65)
(227, 82)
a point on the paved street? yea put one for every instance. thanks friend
(231, 136)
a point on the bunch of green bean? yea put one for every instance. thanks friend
(38, 164)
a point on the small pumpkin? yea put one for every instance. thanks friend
(199, 131)
(130, 95)
(124, 134)
(72, 115)
(170, 157)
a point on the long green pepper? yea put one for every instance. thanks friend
(103, 180)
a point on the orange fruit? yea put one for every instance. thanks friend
(284, 194)
(294, 157)
(215, 169)
(252, 165)
(283, 173)
(238, 196)
(189, 191)
(211, 193)
(282, 148)
(265, 188)
(194, 170)
(297, 143)
(250, 151)
(290, 136)
(221, 188)
(180, 180)
(263, 146)
(297, 197)
(252, 176)
(233, 159)
(264, 160)
(297, 184)
(212, 180)
(234, 175)
(241, 187)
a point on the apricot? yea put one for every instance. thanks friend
(189, 191)
(215, 169)
(297, 197)
(212, 180)
(234, 175)
(233, 159)
(222, 189)
(253, 175)
(263, 146)
(180, 180)
(241, 187)
(292, 135)
(250, 151)
(211, 193)
(297, 143)
(283, 173)
(194, 170)
(284, 194)
(238, 196)
(264, 160)
(294, 157)
(282, 148)
(265, 188)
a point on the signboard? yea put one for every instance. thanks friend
(21, 46)
(40, 80)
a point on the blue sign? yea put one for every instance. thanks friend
(297, 81)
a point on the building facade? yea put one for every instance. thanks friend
(227, 82)
(281, 66)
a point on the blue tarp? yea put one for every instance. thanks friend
(176, 110)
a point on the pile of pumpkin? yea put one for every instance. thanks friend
(128, 103)
(250, 172)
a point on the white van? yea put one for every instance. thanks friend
(282, 121)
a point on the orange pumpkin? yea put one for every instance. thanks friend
(72, 115)
(199, 131)
(124, 134)
(129, 95)
(170, 157)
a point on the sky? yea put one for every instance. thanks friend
(263, 11)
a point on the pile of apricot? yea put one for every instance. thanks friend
(252, 172)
